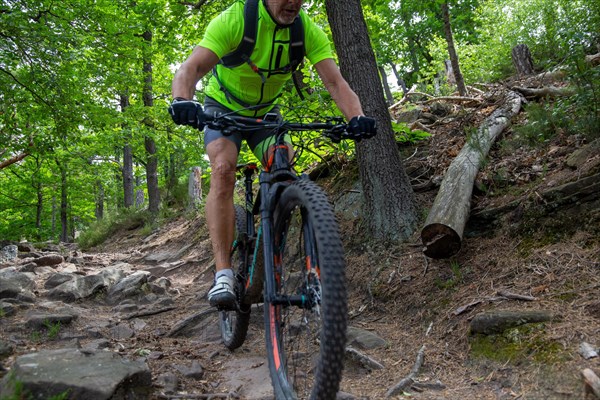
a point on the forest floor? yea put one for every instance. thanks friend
(525, 244)
(518, 240)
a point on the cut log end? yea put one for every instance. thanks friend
(440, 241)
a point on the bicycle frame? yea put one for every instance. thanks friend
(272, 182)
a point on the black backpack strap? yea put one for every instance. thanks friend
(297, 51)
(296, 43)
(244, 50)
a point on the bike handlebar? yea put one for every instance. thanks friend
(335, 129)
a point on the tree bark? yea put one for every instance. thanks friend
(195, 188)
(442, 234)
(149, 144)
(127, 159)
(521, 57)
(390, 212)
(460, 82)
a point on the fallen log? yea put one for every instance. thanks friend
(592, 382)
(490, 323)
(444, 227)
(593, 59)
(548, 91)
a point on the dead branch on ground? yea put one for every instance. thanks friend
(363, 359)
(409, 380)
(592, 382)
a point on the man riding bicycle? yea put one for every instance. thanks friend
(252, 88)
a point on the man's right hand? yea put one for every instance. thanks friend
(187, 112)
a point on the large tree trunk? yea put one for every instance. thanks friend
(444, 227)
(150, 145)
(460, 82)
(390, 211)
(127, 160)
(521, 57)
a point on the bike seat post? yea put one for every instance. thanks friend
(249, 171)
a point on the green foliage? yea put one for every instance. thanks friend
(405, 135)
(17, 388)
(526, 343)
(124, 219)
(64, 73)
(52, 329)
(456, 279)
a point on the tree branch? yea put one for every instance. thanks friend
(13, 160)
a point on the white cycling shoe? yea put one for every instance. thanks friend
(222, 294)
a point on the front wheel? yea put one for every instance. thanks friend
(306, 318)
(234, 324)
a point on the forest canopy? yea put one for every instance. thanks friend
(84, 88)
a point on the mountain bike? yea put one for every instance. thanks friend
(292, 261)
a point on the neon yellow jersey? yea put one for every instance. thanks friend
(270, 55)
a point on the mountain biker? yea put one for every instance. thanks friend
(256, 83)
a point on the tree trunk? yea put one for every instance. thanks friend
(127, 159)
(442, 234)
(399, 79)
(390, 212)
(460, 82)
(195, 188)
(64, 220)
(521, 57)
(149, 144)
(171, 169)
(99, 212)
(386, 86)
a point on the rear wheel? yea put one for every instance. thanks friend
(234, 324)
(306, 341)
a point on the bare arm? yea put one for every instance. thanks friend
(198, 64)
(344, 97)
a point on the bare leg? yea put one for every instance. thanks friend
(220, 215)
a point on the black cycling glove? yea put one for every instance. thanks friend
(361, 127)
(187, 112)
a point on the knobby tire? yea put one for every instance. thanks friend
(305, 346)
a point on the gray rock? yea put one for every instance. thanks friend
(81, 287)
(6, 349)
(13, 282)
(121, 332)
(125, 308)
(26, 247)
(195, 371)
(7, 309)
(37, 320)
(8, 253)
(29, 267)
(98, 376)
(169, 382)
(97, 344)
(364, 339)
(49, 260)
(580, 156)
(57, 279)
(130, 286)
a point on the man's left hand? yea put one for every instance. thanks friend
(361, 127)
